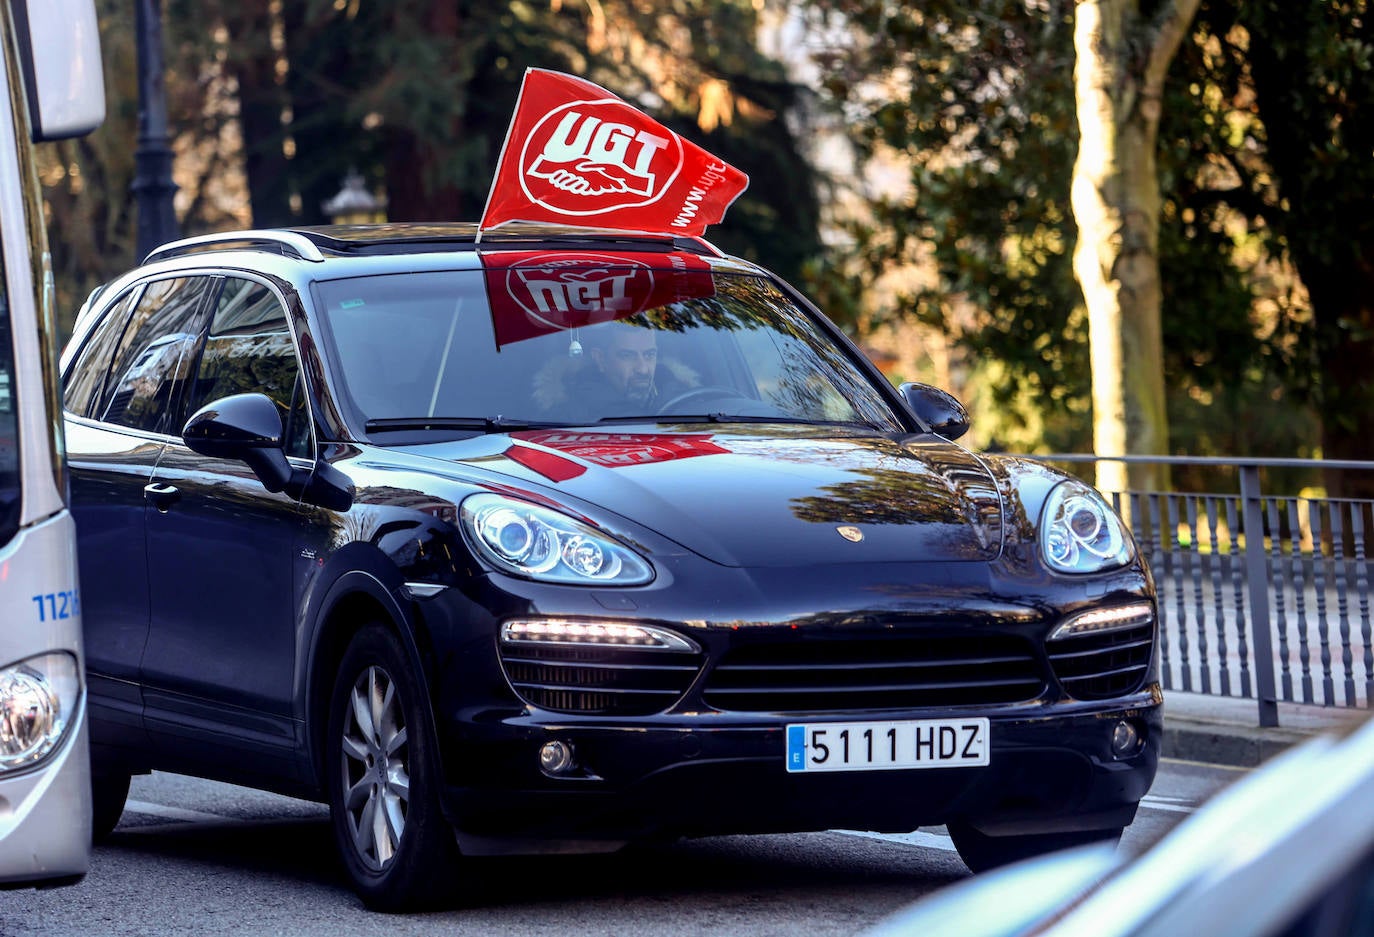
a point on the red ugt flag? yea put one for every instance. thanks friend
(577, 154)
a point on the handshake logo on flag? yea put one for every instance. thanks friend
(576, 154)
(591, 155)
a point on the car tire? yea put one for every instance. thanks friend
(982, 852)
(109, 791)
(382, 780)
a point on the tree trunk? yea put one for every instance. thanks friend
(1119, 78)
(262, 101)
(1343, 306)
(414, 165)
(1318, 144)
(328, 137)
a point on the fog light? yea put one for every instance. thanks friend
(1127, 740)
(556, 758)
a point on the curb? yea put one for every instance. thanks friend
(1226, 744)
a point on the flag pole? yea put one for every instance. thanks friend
(500, 159)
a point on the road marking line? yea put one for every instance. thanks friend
(1206, 764)
(176, 813)
(918, 838)
(1163, 803)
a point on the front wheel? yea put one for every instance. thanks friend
(109, 792)
(382, 774)
(982, 852)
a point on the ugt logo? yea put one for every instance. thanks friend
(589, 157)
(564, 292)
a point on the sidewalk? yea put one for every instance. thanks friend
(1225, 731)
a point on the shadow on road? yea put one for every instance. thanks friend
(823, 869)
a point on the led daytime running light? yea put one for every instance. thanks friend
(608, 633)
(1099, 620)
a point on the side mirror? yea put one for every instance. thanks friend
(936, 408)
(59, 51)
(246, 427)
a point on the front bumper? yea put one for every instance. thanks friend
(1051, 769)
(714, 761)
(45, 818)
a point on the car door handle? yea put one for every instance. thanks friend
(161, 495)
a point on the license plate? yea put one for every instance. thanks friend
(874, 746)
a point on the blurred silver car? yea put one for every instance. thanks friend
(1286, 852)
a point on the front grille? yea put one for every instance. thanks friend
(876, 673)
(1103, 664)
(597, 679)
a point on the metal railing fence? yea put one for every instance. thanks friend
(1263, 595)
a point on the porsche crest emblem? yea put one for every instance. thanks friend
(852, 534)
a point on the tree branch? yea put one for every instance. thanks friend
(1170, 26)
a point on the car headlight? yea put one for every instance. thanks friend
(539, 543)
(37, 699)
(1080, 533)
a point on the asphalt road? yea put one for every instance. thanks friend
(195, 857)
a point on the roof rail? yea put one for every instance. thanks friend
(283, 241)
(692, 244)
(406, 237)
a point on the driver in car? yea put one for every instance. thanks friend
(626, 360)
(620, 374)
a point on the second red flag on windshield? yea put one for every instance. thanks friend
(577, 154)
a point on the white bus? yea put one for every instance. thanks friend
(51, 69)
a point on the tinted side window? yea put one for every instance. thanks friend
(154, 353)
(248, 350)
(87, 374)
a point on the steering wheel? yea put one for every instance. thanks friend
(704, 392)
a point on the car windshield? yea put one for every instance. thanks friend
(575, 343)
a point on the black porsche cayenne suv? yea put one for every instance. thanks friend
(565, 538)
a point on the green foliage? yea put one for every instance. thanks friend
(1309, 69)
(976, 99)
(1283, 87)
(419, 93)
(279, 102)
(1263, 157)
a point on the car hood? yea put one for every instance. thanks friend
(766, 495)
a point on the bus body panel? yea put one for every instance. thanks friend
(45, 812)
(45, 804)
(41, 496)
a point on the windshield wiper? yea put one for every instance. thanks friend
(654, 418)
(484, 424)
(733, 418)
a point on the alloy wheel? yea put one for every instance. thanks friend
(376, 770)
